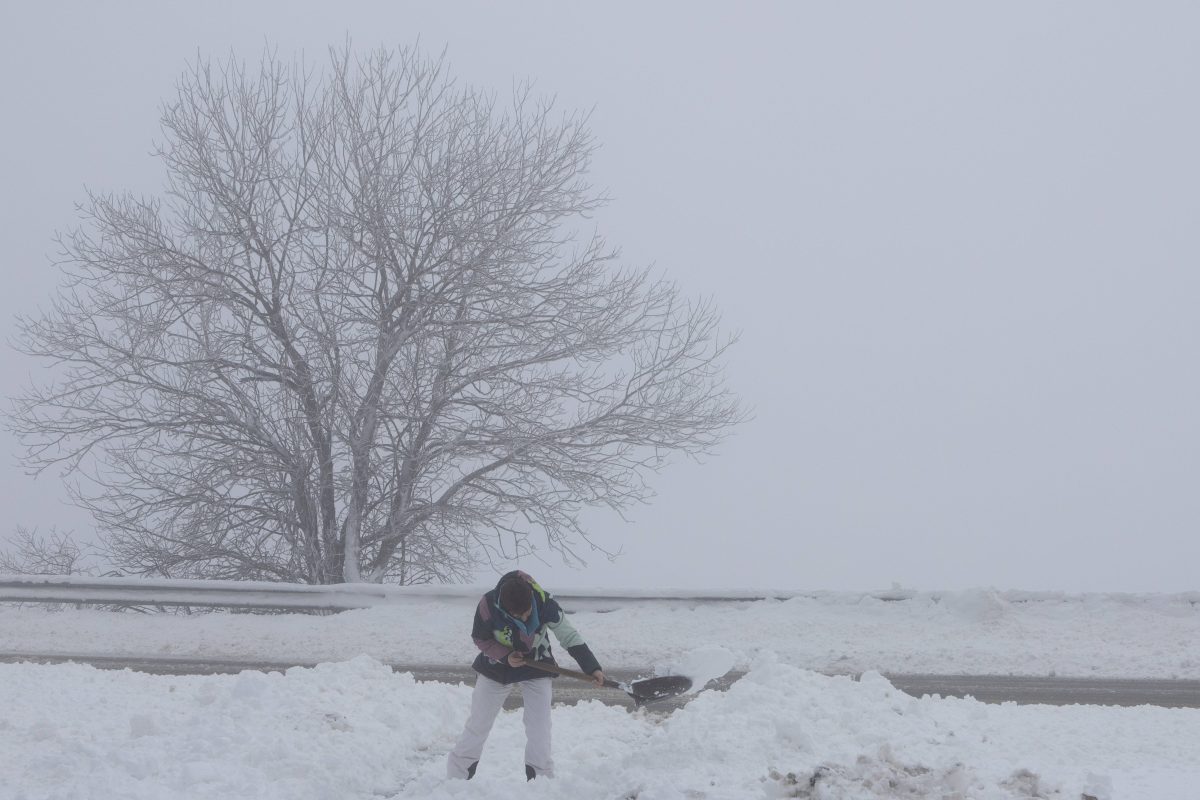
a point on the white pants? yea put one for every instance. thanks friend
(486, 702)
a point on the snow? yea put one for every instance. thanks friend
(970, 632)
(355, 729)
(352, 729)
(701, 665)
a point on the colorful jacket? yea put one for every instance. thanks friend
(497, 634)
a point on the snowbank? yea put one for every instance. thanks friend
(977, 632)
(354, 730)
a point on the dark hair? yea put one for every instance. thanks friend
(516, 596)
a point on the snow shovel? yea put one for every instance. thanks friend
(642, 692)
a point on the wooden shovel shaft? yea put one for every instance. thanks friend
(642, 692)
(583, 676)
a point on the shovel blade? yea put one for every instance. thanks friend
(651, 689)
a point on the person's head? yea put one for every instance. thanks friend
(516, 597)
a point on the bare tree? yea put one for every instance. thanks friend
(362, 336)
(31, 552)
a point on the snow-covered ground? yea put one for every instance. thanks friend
(352, 729)
(355, 730)
(971, 632)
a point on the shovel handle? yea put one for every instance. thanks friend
(545, 666)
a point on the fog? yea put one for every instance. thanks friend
(959, 243)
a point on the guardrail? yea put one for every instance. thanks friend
(203, 594)
(337, 597)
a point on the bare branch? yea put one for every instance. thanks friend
(362, 335)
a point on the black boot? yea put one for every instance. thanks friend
(530, 773)
(471, 770)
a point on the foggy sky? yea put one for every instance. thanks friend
(960, 244)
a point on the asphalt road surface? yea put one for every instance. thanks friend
(987, 688)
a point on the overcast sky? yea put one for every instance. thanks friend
(960, 244)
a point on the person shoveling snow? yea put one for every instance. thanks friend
(510, 628)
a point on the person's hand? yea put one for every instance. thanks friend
(599, 676)
(515, 659)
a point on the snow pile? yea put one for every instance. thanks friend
(355, 730)
(339, 730)
(977, 632)
(701, 665)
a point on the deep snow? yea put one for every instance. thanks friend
(355, 730)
